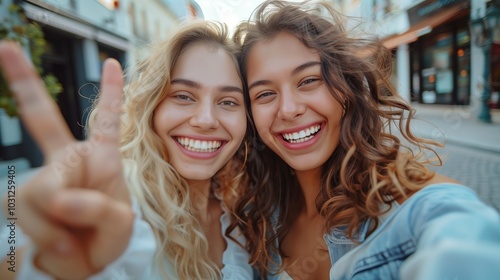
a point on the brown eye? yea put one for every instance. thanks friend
(308, 81)
(183, 97)
(264, 94)
(229, 103)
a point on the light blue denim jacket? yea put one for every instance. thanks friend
(442, 232)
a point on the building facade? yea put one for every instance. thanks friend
(436, 58)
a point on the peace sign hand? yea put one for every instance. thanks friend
(76, 210)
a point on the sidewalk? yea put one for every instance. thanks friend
(457, 125)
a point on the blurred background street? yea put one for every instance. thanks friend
(475, 168)
(472, 148)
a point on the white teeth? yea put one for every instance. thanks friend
(303, 135)
(199, 145)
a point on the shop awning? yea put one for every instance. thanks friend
(424, 27)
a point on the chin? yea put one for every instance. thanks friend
(305, 167)
(197, 175)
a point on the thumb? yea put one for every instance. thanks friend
(110, 221)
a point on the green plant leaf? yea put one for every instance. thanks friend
(19, 28)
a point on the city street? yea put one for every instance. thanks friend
(475, 168)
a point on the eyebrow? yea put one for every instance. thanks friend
(197, 85)
(295, 71)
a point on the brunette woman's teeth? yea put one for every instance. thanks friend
(302, 135)
(200, 146)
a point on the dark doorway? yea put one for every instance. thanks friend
(59, 62)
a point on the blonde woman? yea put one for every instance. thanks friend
(179, 153)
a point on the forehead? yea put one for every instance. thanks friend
(282, 52)
(206, 64)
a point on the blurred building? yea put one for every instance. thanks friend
(436, 59)
(153, 20)
(80, 35)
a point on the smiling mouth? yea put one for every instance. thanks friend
(302, 135)
(199, 146)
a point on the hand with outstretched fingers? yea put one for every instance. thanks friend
(76, 209)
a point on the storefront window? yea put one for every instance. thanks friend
(107, 52)
(437, 72)
(440, 65)
(463, 67)
(463, 38)
(415, 76)
(429, 85)
(494, 101)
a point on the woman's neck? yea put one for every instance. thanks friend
(310, 183)
(200, 199)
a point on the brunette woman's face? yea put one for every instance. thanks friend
(202, 120)
(294, 113)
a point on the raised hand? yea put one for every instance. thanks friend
(76, 210)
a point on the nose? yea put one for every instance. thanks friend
(291, 106)
(204, 117)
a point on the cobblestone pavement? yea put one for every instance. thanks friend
(477, 169)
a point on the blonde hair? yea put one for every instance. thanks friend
(162, 193)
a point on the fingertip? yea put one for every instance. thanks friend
(9, 50)
(14, 62)
(112, 63)
(112, 76)
(8, 46)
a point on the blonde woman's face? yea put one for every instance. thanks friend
(293, 110)
(202, 120)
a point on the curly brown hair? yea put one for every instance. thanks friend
(370, 167)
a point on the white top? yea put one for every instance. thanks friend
(136, 260)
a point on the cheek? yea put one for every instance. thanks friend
(330, 106)
(263, 117)
(259, 117)
(236, 124)
(165, 117)
(263, 127)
